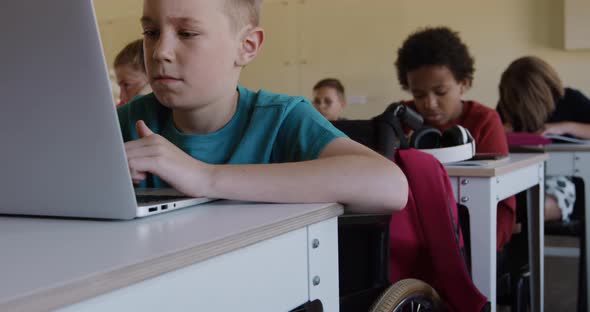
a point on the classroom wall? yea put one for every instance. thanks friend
(357, 40)
(118, 22)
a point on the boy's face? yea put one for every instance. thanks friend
(131, 82)
(437, 94)
(328, 102)
(190, 52)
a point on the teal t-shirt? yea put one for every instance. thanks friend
(266, 128)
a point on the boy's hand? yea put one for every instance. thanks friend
(557, 128)
(152, 153)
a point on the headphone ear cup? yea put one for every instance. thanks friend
(425, 138)
(456, 135)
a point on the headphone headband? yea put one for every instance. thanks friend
(453, 153)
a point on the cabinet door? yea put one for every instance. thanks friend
(275, 68)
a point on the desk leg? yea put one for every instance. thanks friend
(478, 194)
(587, 233)
(535, 213)
(322, 253)
(582, 170)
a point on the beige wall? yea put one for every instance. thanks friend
(356, 40)
(118, 21)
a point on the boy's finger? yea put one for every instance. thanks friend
(139, 143)
(142, 151)
(142, 129)
(143, 165)
(138, 177)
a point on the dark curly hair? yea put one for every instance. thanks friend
(434, 46)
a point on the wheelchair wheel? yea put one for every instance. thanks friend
(409, 295)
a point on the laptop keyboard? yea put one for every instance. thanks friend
(143, 199)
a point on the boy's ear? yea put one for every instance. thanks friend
(465, 85)
(250, 45)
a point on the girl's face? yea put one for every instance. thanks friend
(437, 94)
(132, 82)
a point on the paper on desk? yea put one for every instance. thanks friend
(478, 163)
(566, 139)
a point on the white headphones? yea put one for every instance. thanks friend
(452, 145)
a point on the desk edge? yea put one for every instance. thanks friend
(98, 284)
(495, 171)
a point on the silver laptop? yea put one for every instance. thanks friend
(61, 150)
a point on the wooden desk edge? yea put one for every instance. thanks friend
(98, 284)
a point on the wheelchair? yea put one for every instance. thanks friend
(363, 251)
(363, 256)
(364, 271)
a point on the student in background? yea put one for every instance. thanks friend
(130, 72)
(533, 99)
(203, 134)
(435, 66)
(329, 98)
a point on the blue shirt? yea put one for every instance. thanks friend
(266, 128)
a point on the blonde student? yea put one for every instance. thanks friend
(130, 72)
(329, 98)
(533, 99)
(203, 134)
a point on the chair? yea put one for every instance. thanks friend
(575, 228)
(513, 286)
(364, 251)
(363, 248)
(513, 269)
(364, 257)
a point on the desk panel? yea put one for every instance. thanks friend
(269, 276)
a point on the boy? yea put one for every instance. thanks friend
(329, 99)
(435, 66)
(130, 72)
(205, 136)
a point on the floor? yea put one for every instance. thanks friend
(561, 278)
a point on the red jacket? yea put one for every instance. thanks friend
(486, 128)
(425, 237)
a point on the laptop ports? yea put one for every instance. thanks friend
(164, 207)
(153, 209)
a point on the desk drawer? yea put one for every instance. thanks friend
(269, 276)
(560, 163)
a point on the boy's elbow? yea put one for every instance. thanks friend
(386, 193)
(392, 193)
(398, 192)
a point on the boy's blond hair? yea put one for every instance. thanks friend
(243, 12)
(131, 55)
(529, 89)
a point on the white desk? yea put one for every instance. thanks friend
(480, 189)
(222, 256)
(572, 160)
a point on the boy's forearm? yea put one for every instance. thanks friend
(367, 184)
(579, 130)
